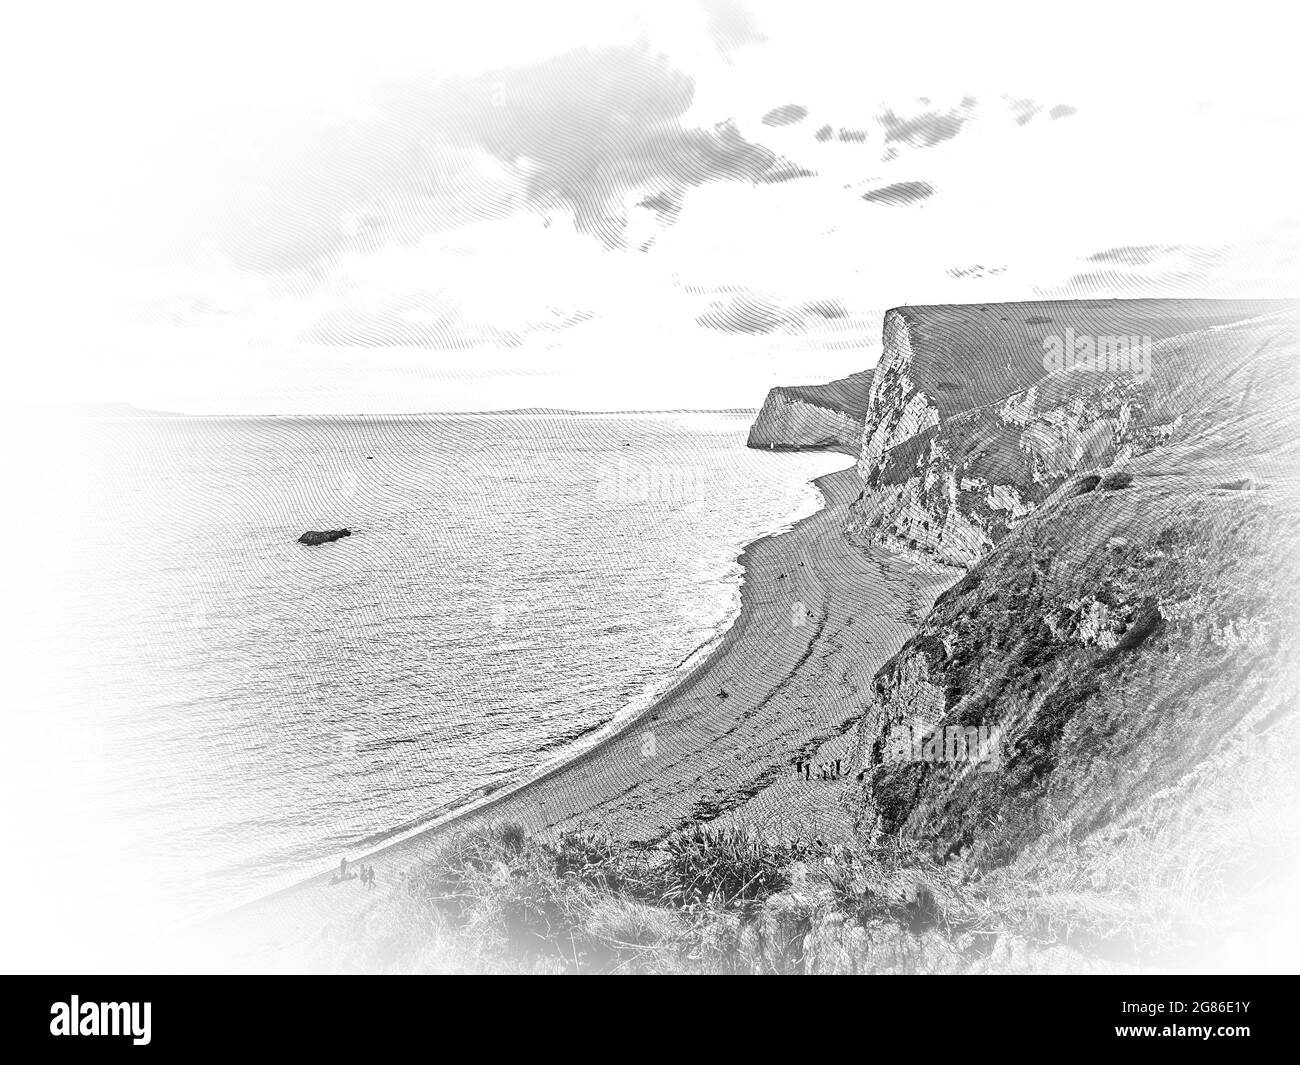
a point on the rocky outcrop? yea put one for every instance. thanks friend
(830, 416)
(977, 414)
(314, 539)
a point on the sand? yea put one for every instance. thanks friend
(796, 679)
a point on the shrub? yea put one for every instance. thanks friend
(730, 868)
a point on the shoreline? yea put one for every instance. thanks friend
(690, 753)
(560, 753)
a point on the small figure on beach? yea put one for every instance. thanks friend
(837, 768)
(343, 874)
(722, 693)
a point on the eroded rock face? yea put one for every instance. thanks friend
(813, 417)
(1121, 630)
(971, 426)
(314, 539)
(1130, 633)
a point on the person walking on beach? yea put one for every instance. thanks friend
(343, 868)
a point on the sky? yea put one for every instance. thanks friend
(289, 208)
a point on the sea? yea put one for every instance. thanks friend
(204, 710)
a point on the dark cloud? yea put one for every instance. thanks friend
(1062, 111)
(785, 115)
(901, 192)
(853, 136)
(825, 133)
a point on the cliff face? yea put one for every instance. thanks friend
(976, 414)
(814, 416)
(1104, 704)
(1130, 646)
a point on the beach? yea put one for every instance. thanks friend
(786, 682)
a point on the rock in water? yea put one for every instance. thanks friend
(312, 539)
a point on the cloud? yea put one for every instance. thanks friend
(492, 209)
(419, 319)
(975, 271)
(785, 115)
(785, 171)
(750, 312)
(1023, 109)
(663, 204)
(1131, 255)
(577, 133)
(730, 26)
(929, 127)
(900, 193)
(1263, 264)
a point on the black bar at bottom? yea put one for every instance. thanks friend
(432, 1016)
